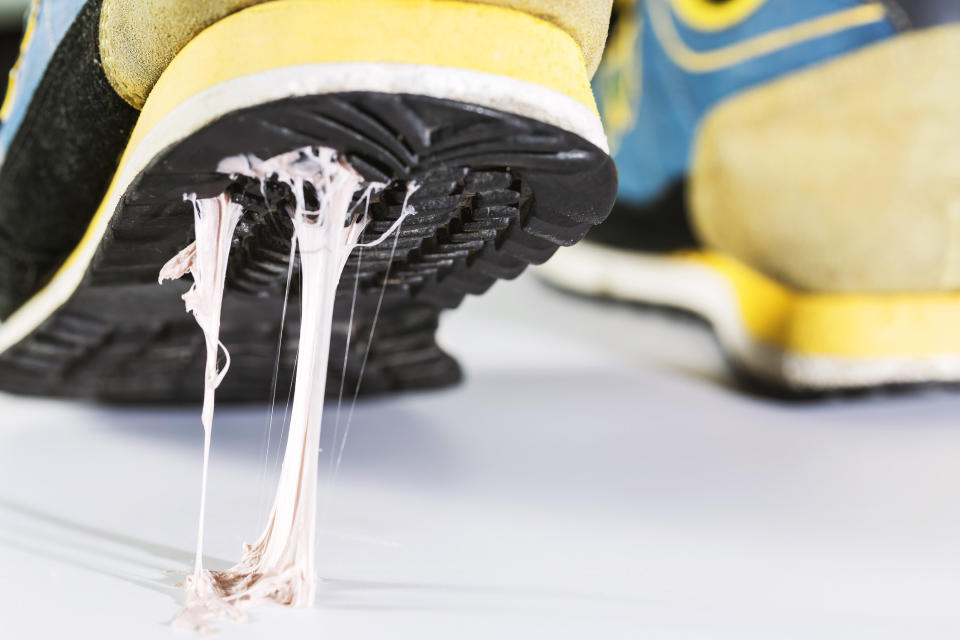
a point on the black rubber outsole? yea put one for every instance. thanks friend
(498, 192)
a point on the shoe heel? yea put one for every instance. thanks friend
(320, 45)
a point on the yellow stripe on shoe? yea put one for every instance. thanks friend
(709, 15)
(13, 75)
(844, 325)
(294, 32)
(706, 61)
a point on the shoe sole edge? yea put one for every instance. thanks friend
(794, 341)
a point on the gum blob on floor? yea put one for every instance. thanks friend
(280, 566)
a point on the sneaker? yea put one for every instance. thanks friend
(789, 171)
(118, 108)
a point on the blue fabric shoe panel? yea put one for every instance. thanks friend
(45, 25)
(673, 96)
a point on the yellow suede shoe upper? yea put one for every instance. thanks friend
(844, 177)
(139, 38)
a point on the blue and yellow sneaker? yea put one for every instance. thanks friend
(789, 170)
(118, 108)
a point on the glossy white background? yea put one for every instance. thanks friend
(595, 477)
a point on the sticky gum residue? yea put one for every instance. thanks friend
(280, 566)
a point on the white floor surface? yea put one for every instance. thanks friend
(596, 476)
